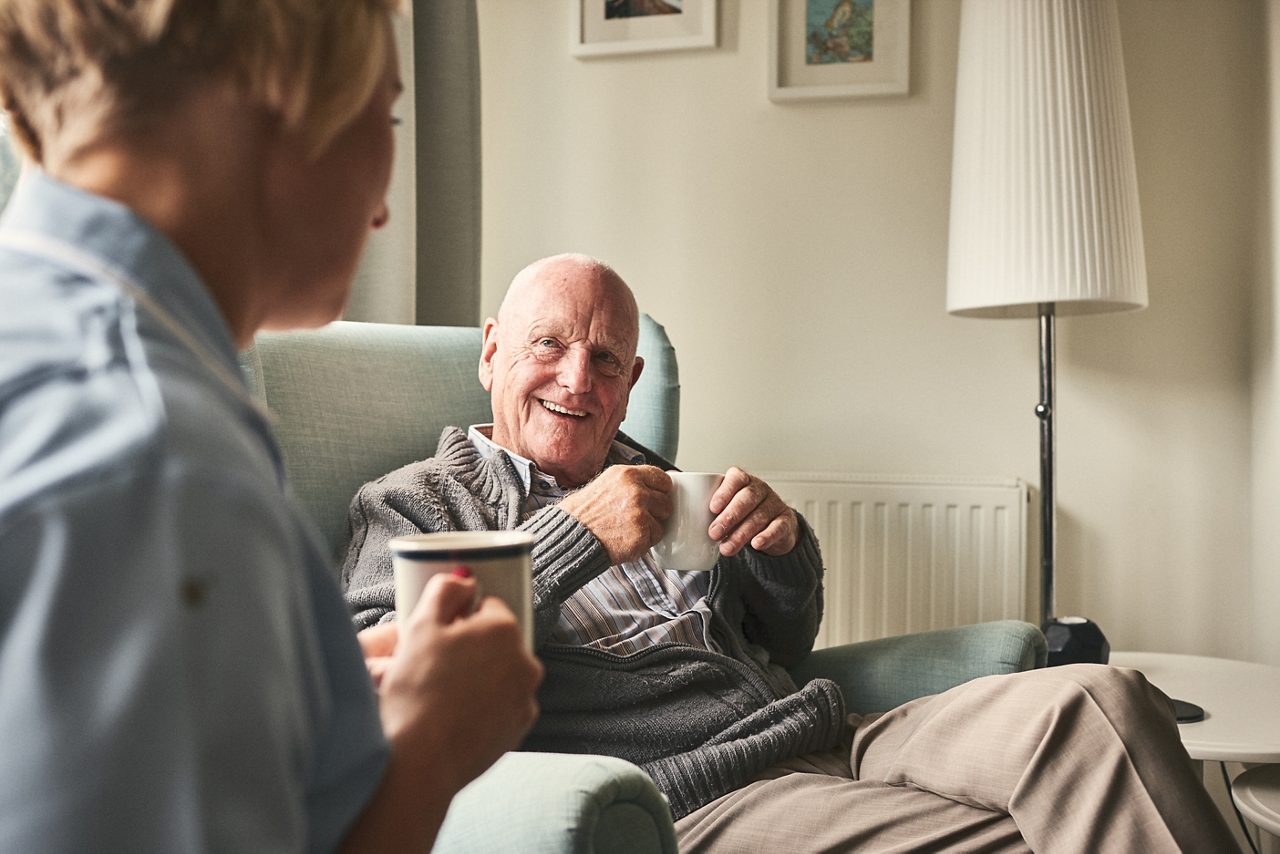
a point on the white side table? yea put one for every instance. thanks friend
(1241, 703)
(1257, 795)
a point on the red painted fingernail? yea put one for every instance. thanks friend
(462, 572)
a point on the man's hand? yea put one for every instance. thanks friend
(624, 506)
(749, 511)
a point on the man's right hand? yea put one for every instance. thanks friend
(624, 506)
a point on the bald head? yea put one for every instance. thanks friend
(570, 277)
(559, 362)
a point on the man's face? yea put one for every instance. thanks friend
(559, 364)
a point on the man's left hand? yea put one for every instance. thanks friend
(749, 511)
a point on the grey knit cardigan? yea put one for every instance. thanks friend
(700, 723)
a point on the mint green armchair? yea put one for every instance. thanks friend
(356, 400)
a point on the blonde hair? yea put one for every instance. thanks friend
(72, 69)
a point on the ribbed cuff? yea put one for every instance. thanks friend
(566, 555)
(805, 722)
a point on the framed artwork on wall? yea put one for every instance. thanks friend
(838, 48)
(602, 27)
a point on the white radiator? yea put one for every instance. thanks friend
(908, 554)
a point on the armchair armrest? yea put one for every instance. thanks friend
(559, 802)
(878, 675)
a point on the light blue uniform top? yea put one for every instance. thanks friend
(177, 666)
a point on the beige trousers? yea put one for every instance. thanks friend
(1084, 758)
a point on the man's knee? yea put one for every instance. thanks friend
(1120, 693)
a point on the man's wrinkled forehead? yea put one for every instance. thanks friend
(570, 299)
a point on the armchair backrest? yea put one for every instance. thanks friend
(352, 401)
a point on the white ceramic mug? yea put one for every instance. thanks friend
(500, 561)
(685, 545)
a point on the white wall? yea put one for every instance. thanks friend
(797, 256)
(1266, 380)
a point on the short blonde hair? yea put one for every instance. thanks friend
(71, 69)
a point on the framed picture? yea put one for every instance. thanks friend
(603, 27)
(838, 48)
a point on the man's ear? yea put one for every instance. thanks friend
(635, 371)
(488, 346)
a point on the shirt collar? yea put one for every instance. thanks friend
(481, 435)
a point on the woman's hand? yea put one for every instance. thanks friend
(455, 685)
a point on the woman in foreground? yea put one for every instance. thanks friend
(177, 669)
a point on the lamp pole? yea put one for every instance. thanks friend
(1048, 506)
(1072, 640)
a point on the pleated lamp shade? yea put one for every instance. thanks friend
(1044, 194)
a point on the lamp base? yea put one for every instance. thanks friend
(1075, 640)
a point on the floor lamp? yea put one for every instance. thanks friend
(1044, 204)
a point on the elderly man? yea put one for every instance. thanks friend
(683, 673)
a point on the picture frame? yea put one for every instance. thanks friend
(607, 27)
(839, 48)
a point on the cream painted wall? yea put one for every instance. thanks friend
(797, 256)
(1266, 380)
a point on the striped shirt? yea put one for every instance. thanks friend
(628, 607)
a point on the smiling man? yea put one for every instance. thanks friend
(560, 362)
(684, 673)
